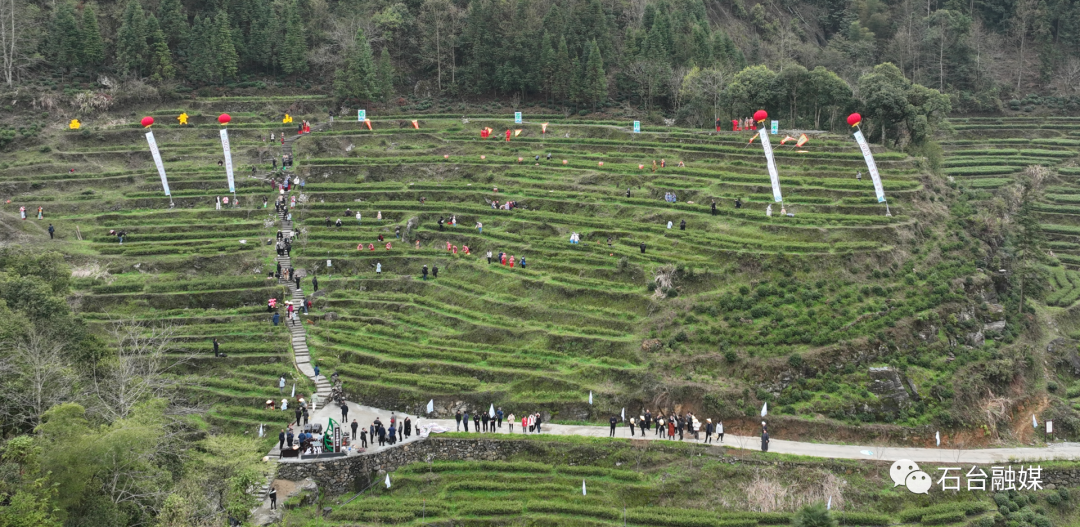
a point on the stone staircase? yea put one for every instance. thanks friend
(297, 333)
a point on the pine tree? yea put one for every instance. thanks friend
(161, 63)
(131, 48)
(386, 76)
(548, 65)
(565, 72)
(358, 76)
(93, 49)
(65, 38)
(200, 67)
(174, 23)
(224, 52)
(260, 44)
(594, 81)
(293, 53)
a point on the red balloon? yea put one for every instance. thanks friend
(224, 118)
(761, 115)
(854, 119)
(147, 121)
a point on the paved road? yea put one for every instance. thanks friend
(1058, 451)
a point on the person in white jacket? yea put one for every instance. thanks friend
(720, 430)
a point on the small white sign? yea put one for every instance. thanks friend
(517, 117)
(637, 127)
(361, 115)
(775, 127)
(1050, 427)
(328, 264)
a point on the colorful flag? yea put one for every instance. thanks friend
(543, 128)
(182, 118)
(74, 124)
(786, 139)
(416, 124)
(517, 132)
(752, 139)
(368, 123)
(802, 140)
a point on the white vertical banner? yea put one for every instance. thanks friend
(773, 175)
(228, 158)
(157, 161)
(870, 165)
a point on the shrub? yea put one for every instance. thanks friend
(489, 508)
(863, 518)
(1053, 498)
(813, 516)
(730, 356)
(942, 518)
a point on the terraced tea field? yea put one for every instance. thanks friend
(701, 310)
(989, 153)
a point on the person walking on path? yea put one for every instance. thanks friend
(304, 410)
(709, 428)
(484, 420)
(289, 437)
(354, 426)
(316, 368)
(457, 417)
(614, 420)
(466, 420)
(344, 412)
(363, 437)
(510, 422)
(406, 428)
(281, 381)
(315, 283)
(499, 416)
(539, 421)
(273, 498)
(52, 230)
(281, 440)
(764, 440)
(632, 427)
(525, 423)
(476, 422)
(298, 414)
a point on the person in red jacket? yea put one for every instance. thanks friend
(507, 135)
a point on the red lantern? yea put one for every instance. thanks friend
(224, 119)
(760, 115)
(147, 121)
(854, 119)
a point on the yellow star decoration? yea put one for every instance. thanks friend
(287, 119)
(183, 118)
(74, 124)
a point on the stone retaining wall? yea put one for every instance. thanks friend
(352, 474)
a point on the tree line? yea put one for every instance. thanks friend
(682, 58)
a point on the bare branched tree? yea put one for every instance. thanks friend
(138, 372)
(37, 376)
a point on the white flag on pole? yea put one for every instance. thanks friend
(774, 176)
(431, 406)
(590, 397)
(293, 390)
(764, 409)
(583, 493)
(624, 414)
(937, 436)
(829, 505)
(157, 161)
(491, 411)
(260, 430)
(870, 165)
(1034, 423)
(228, 158)
(388, 481)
